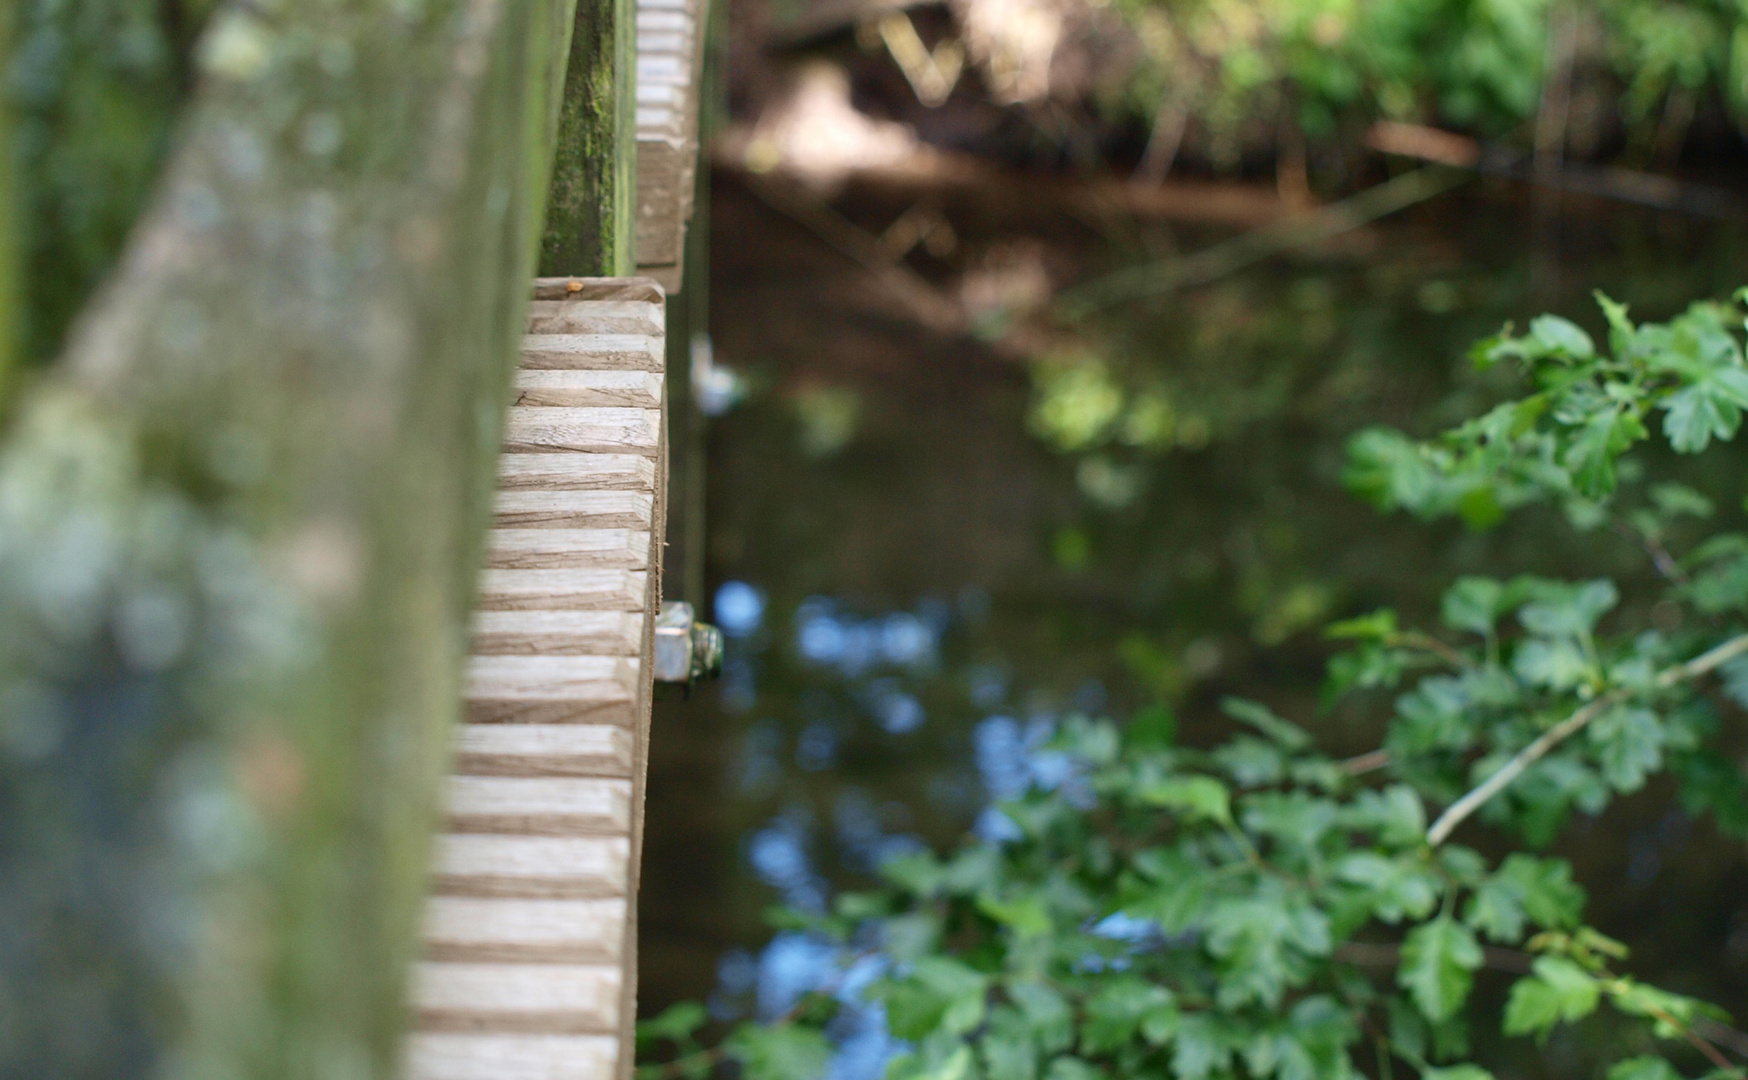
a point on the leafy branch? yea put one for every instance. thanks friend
(1214, 913)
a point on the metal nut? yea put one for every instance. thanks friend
(685, 649)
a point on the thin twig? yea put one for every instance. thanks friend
(1459, 811)
(1365, 763)
(1247, 250)
(1419, 640)
(1622, 185)
(1654, 550)
(1712, 1053)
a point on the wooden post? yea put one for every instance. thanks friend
(242, 523)
(670, 58)
(590, 218)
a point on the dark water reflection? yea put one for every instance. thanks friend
(917, 578)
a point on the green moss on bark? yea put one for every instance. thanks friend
(239, 529)
(591, 215)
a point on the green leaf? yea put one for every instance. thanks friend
(1176, 896)
(1526, 889)
(1262, 942)
(1288, 735)
(1196, 797)
(1562, 336)
(1007, 1047)
(1629, 745)
(1072, 1068)
(1591, 454)
(1562, 610)
(1026, 916)
(1199, 1049)
(1115, 1012)
(676, 1022)
(1620, 328)
(939, 994)
(784, 1052)
(1559, 990)
(1473, 604)
(1457, 1072)
(1394, 815)
(1398, 888)
(1558, 664)
(1153, 726)
(1437, 968)
(1644, 1067)
(1046, 1012)
(1377, 626)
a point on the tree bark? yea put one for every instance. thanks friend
(240, 523)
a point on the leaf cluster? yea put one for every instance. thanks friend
(1261, 910)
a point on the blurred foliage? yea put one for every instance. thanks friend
(1242, 68)
(1260, 909)
(94, 88)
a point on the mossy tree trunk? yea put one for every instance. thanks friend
(591, 217)
(239, 524)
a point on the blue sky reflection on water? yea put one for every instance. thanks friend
(868, 671)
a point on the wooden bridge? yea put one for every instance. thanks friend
(332, 350)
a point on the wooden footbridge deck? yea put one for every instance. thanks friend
(530, 933)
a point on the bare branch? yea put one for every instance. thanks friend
(1459, 811)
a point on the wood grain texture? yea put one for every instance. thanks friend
(581, 386)
(625, 473)
(458, 1056)
(603, 750)
(669, 70)
(538, 805)
(553, 690)
(562, 590)
(496, 930)
(557, 633)
(600, 429)
(551, 867)
(568, 549)
(585, 509)
(599, 352)
(530, 934)
(517, 998)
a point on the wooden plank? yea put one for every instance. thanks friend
(563, 590)
(557, 633)
(584, 509)
(639, 318)
(552, 689)
(575, 472)
(669, 69)
(580, 387)
(567, 549)
(601, 352)
(483, 864)
(457, 1056)
(467, 929)
(517, 998)
(605, 430)
(530, 934)
(544, 750)
(595, 292)
(538, 805)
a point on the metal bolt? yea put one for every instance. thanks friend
(685, 649)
